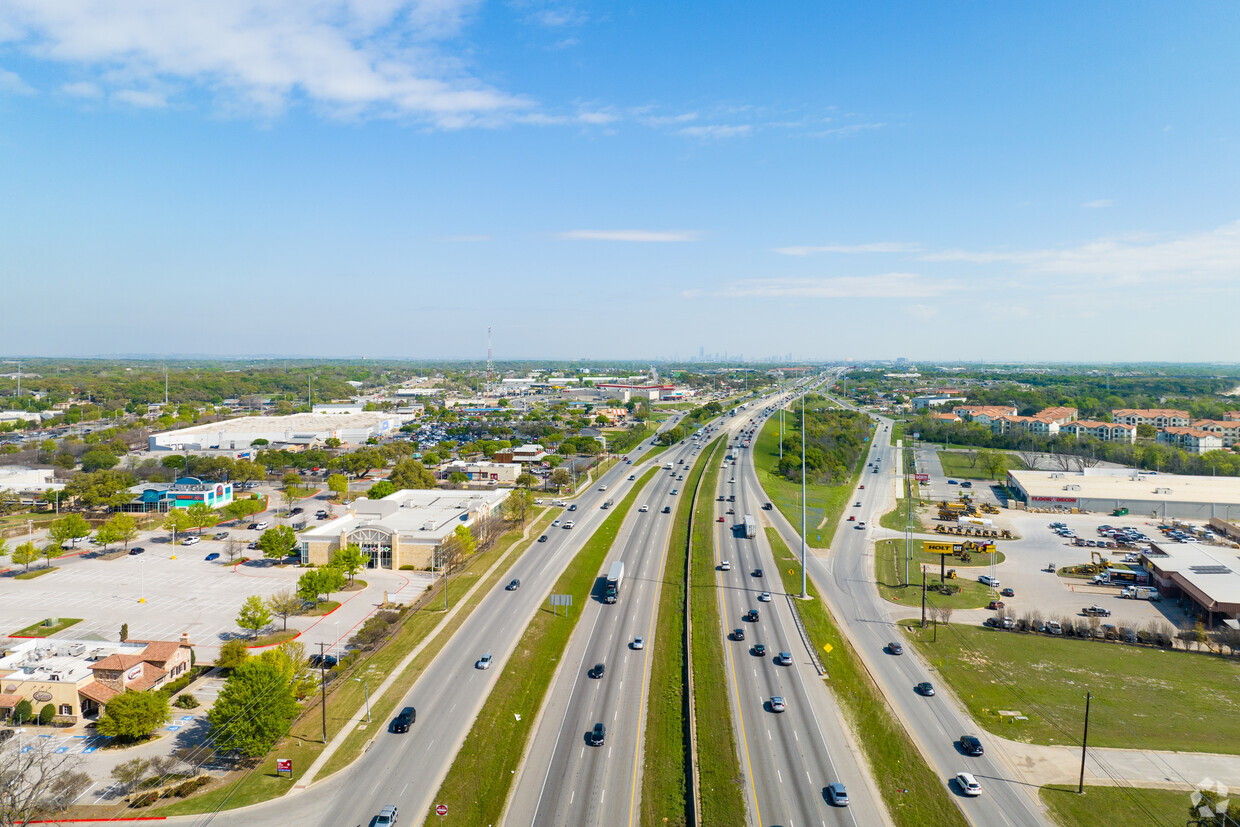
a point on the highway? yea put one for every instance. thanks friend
(563, 780)
(845, 577)
(787, 758)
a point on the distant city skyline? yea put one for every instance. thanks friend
(329, 178)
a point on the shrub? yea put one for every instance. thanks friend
(188, 787)
(24, 711)
(186, 701)
(46, 714)
(408, 567)
(144, 800)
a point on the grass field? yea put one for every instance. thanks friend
(718, 765)
(914, 794)
(665, 786)
(895, 519)
(346, 697)
(1046, 679)
(477, 784)
(956, 465)
(825, 503)
(39, 630)
(889, 571)
(1116, 806)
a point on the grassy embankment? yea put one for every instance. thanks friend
(665, 782)
(956, 465)
(914, 794)
(477, 784)
(1046, 678)
(346, 698)
(1116, 806)
(723, 801)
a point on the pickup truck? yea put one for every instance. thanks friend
(1095, 611)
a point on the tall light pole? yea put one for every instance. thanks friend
(366, 687)
(803, 540)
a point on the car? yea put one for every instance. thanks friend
(632, 477)
(759, 650)
(783, 658)
(252, 526)
(752, 616)
(406, 717)
(221, 535)
(484, 662)
(667, 509)
(778, 704)
(569, 524)
(738, 634)
(387, 816)
(260, 526)
(731, 511)
(765, 597)
(895, 647)
(970, 745)
(639, 643)
(994, 605)
(951, 482)
(644, 509)
(757, 572)
(837, 796)
(674, 492)
(513, 585)
(986, 579)
(598, 735)
(573, 507)
(323, 661)
(555, 523)
(925, 688)
(190, 541)
(602, 488)
(297, 510)
(862, 487)
(857, 504)
(968, 784)
(720, 520)
(725, 566)
(1008, 592)
(321, 515)
(542, 539)
(253, 544)
(861, 524)
(215, 555)
(597, 671)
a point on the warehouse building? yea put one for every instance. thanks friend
(1143, 493)
(402, 529)
(1204, 579)
(294, 430)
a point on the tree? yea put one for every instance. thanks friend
(46, 714)
(106, 534)
(284, 604)
(124, 528)
(124, 632)
(98, 459)
(101, 489)
(254, 709)
(381, 489)
(466, 540)
(69, 527)
(50, 552)
(526, 481)
(560, 478)
(131, 716)
(995, 463)
(315, 583)
(233, 548)
(349, 560)
(409, 473)
(128, 774)
(201, 515)
(38, 782)
(278, 542)
(1212, 808)
(240, 509)
(458, 477)
(24, 711)
(176, 521)
(338, 484)
(332, 442)
(517, 506)
(232, 654)
(254, 614)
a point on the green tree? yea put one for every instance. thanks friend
(381, 489)
(409, 473)
(560, 478)
(349, 560)
(254, 709)
(232, 654)
(98, 459)
(527, 481)
(458, 477)
(101, 489)
(201, 515)
(64, 460)
(176, 521)
(69, 527)
(278, 542)
(465, 538)
(332, 442)
(131, 716)
(254, 614)
(123, 527)
(318, 583)
(106, 534)
(338, 484)
(284, 604)
(24, 711)
(51, 552)
(46, 714)
(124, 632)
(240, 509)
(517, 506)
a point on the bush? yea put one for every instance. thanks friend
(180, 683)
(24, 711)
(232, 654)
(144, 800)
(186, 701)
(408, 567)
(188, 787)
(46, 714)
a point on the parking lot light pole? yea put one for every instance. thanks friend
(366, 687)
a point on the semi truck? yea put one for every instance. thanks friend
(615, 576)
(751, 527)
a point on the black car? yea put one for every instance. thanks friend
(757, 572)
(667, 509)
(406, 717)
(970, 745)
(738, 634)
(297, 510)
(136, 550)
(925, 688)
(514, 585)
(325, 661)
(253, 526)
(752, 616)
(573, 507)
(542, 539)
(759, 650)
(598, 735)
(597, 671)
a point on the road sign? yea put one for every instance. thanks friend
(441, 809)
(828, 647)
(284, 765)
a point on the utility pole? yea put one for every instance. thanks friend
(1084, 743)
(804, 542)
(323, 684)
(923, 595)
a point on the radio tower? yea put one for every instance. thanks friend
(490, 364)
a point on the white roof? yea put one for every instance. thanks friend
(1128, 484)
(1212, 570)
(420, 516)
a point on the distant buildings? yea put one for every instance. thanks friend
(298, 431)
(28, 483)
(495, 473)
(1158, 417)
(162, 496)
(1192, 440)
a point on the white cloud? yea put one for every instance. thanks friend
(141, 98)
(630, 235)
(1101, 203)
(347, 57)
(716, 131)
(845, 131)
(1215, 253)
(12, 84)
(878, 247)
(82, 89)
(882, 286)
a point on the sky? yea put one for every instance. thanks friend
(1044, 181)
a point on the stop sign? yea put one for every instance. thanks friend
(441, 810)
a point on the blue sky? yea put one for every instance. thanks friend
(834, 180)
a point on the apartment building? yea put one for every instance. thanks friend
(1158, 417)
(1105, 431)
(1228, 430)
(1192, 440)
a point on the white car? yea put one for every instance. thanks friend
(555, 523)
(602, 488)
(968, 784)
(778, 704)
(484, 662)
(260, 526)
(644, 508)
(765, 597)
(190, 541)
(638, 643)
(569, 524)
(725, 566)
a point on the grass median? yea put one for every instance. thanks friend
(42, 629)
(346, 698)
(477, 785)
(665, 774)
(889, 573)
(723, 799)
(914, 794)
(1045, 679)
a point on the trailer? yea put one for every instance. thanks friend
(751, 527)
(615, 576)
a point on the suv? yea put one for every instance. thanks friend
(752, 617)
(387, 816)
(406, 717)
(970, 745)
(596, 671)
(598, 735)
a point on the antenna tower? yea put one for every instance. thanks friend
(490, 364)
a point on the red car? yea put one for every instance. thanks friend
(851, 518)
(721, 519)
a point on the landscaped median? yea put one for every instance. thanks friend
(665, 774)
(719, 768)
(914, 793)
(477, 785)
(889, 573)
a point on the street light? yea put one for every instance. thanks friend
(366, 687)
